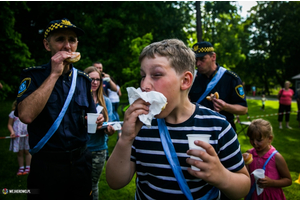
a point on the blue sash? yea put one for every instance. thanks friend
(172, 158)
(174, 163)
(57, 122)
(253, 187)
(212, 83)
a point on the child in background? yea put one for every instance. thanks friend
(263, 101)
(277, 175)
(19, 144)
(168, 67)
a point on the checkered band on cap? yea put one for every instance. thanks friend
(196, 49)
(64, 23)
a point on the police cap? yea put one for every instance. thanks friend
(202, 48)
(62, 24)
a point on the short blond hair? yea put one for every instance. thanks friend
(181, 57)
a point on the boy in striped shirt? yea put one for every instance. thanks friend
(168, 67)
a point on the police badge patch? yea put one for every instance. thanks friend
(240, 91)
(24, 86)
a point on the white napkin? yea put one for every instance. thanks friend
(157, 102)
(99, 109)
(258, 173)
(117, 126)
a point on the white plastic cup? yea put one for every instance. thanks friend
(91, 122)
(191, 139)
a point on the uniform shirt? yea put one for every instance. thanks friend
(229, 87)
(72, 132)
(155, 178)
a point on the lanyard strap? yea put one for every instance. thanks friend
(213, 83)
(58, 120)
(273, 153)
(264, 167)
(172, 158)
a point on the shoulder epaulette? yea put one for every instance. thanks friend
(84, 74)
(232, 74)
(34, 67)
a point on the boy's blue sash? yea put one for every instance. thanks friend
(175, 165)
(172, 158)
(213, 83)
(248, 197)
(57, 122)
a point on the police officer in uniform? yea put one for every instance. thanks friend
(232, 99)
(61, 169)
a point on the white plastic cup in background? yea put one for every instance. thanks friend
(191, 139)
(91, 122)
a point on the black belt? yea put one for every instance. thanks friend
(61, 155)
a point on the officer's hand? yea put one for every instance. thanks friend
(57, 62)
(219, 104)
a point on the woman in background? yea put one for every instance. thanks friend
(285, 96)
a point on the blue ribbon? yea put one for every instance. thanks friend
(172, 158)
(174, 163)
(213, 83)
(57, 122)
(253, 187)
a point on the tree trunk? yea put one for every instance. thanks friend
(198, 20)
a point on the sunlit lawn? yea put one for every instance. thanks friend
(286, 141)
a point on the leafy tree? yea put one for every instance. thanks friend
(14, 53)
(222, 27)
(274, 44)
(109, 26)
(133, 71)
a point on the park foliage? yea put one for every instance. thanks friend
(262, 49)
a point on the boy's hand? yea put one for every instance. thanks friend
(131, 124)
(211, 169)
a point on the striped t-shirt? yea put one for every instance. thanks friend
(155, 178)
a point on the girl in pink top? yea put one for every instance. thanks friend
(277, 175)
(285, 96)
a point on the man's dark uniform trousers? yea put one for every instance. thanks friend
(229, 87)
(65, 154)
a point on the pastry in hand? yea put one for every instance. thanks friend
(211, 96)
(164, 106)
(74, 57)
(248, 158)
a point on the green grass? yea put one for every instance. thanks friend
(286, 142)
